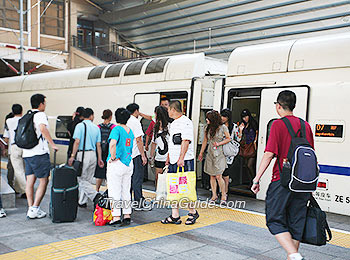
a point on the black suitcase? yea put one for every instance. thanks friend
(64, 194)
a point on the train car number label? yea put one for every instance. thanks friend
(329, 130)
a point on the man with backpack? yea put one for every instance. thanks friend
(33, 136)
(285, 208)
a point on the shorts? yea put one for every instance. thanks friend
(100, 173)
(39, 165)
(286, 210)
(159, 164)
(227, 171)
(189, 167)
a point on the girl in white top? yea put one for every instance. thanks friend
(160, 140)
(236, 135)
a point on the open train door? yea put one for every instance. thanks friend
(267, 115)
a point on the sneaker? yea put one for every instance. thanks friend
(35, 213)
(2, 213)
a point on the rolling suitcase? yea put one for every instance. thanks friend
(64, 193)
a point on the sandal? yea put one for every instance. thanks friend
(176, 221)
(192, 218)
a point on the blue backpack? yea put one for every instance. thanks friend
(300, 173)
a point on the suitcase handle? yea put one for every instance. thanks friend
(54, 158)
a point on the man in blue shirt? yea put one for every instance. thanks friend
(93, 143)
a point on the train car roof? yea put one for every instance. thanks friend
(328, 51)
(179, 67)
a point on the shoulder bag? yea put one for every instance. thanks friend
(78, 165)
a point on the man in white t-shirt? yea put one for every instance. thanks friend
(37, 159)
(181, 154)
(138, 154)
(15, 153)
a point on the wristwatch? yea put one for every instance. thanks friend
(256, 183)
(113, 159)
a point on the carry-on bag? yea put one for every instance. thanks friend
(64, 193)
(316, 226)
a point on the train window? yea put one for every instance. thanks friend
(96, 72)
(156, 66)
(62, 123)
(134, 68)
(114, 70)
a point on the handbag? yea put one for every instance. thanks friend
(104, 201)
(78, 165)
(161, 185)
(102, 216)
(316, 226)
(247, 150)
(181, 185)
(231, 149)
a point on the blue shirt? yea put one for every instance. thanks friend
(93, 135)
(124, 144)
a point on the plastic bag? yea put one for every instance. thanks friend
(181, 185)
(102, 216)
(161, 185)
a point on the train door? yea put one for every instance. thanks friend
(147, 103)
(267, 115)
(243, 169)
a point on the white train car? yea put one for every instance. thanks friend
(190, 78)
(318, 71)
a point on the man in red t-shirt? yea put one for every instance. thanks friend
(285, 210)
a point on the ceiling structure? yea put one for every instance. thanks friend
(166, 27)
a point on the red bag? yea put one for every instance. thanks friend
(102, 216)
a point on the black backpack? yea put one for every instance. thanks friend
(25, 134)
(105, 131)
(300, 173)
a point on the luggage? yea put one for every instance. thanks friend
(300, 173)
(25, 136)
(316, 225)
(64, 193)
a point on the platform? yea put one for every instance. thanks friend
(220, 233)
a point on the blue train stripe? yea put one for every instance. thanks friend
(338, 170)
(61, 142)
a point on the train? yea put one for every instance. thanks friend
(317, 69)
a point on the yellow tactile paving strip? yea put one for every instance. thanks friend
(69, 249)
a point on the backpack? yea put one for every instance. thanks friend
(25, 134)
(105, 131)
(300, 173)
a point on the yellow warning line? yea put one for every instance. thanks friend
(68, 249)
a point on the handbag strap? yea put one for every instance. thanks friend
(313, 203)
(82, 159)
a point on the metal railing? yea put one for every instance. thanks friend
(108, 52)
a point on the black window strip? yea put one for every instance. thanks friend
(134, 68)
(96, 72)
(114, 70)
(156, 66)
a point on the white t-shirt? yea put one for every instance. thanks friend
(135, 126)
(181, 127)
(12, 124)
(43, 146)
(162, 147)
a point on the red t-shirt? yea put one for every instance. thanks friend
(280, 139)
(149, 130)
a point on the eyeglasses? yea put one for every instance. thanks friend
(276, 102)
